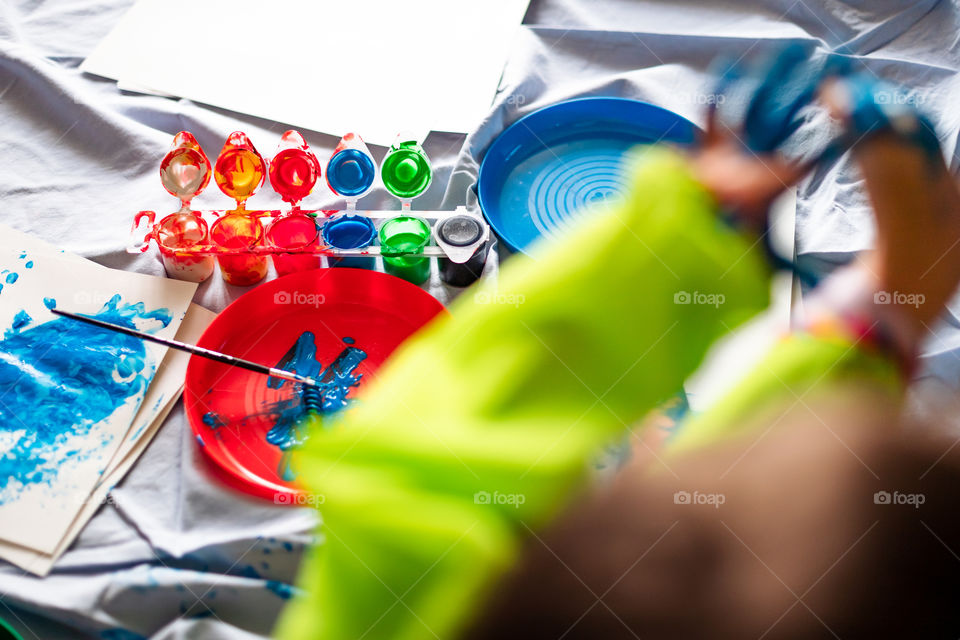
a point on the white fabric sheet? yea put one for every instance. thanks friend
(177, 556)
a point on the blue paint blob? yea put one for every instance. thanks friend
(12, 277)
(20, 320)
(349, 340)
(250, 572)
(200, 441)
(288, 546)
(50, 303)
(282, 590)
(60, 378)
(329, 397)
(23, 254)
(29, 264)
(212, 420)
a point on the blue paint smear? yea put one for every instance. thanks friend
(50, 303)
(29, 264)
(281, 589)
(335, 383)
(23, 254)
(60, 378)
(12, 277)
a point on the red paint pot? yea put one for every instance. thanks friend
(294, 231)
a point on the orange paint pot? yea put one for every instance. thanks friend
(238, 233)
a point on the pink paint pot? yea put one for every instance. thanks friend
(179, 231)
(238, 233)
(294, 231)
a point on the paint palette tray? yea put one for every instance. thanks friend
(242, 241)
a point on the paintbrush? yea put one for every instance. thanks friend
(195, 350)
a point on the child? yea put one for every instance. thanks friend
(450, 495)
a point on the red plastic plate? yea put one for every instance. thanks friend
(376, 310)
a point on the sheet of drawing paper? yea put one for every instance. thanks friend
(69, 392)
(321, 64)
(167, 384)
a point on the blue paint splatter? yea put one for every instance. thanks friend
(50, 303)
(29, 264)
(60, 378)
(23, 254)
(281, 589)
(334, 383)
(12, 277)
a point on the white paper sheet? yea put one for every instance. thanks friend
(37, 514)
(321, 64)
(161, 397)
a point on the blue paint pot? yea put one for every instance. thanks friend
(351, 172)
(350, 231)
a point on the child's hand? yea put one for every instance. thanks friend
(743, 182)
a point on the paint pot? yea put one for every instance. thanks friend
(294, 169)
(239, 232)
(350, 231)
(351, 169)
(406, 169)
(294, 231)
(180, 231)
(405, 235)
(462, 231)
(185, 170)
(240, 169)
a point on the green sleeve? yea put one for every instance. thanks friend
(484, 424)
(796, 371)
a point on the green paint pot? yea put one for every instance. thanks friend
(405, 171)
(399, 237)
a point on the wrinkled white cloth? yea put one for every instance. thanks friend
(175, 554)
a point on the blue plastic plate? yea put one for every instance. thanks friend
(544, 168)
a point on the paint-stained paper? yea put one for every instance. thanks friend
(161, 397)
(68, 392)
